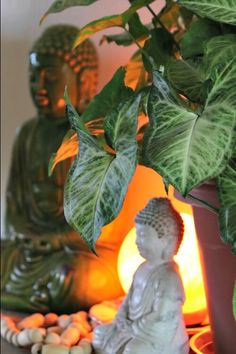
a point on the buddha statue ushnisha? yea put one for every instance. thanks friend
(45, 264)
(150, 319)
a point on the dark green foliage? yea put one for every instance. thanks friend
(190, 98)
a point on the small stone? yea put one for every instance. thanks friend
(34, 321)
(86, 345)
(63, 321)
(52, 338)
(70, 336)
(23, 338)
(37, 335)
(8, 336)
(14, 339)
(77, 349)
(36, 348)
(55, 329)
(55, 349)
(50, 319)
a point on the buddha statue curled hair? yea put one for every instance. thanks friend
(160, 214)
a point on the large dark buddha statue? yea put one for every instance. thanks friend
(45, 265)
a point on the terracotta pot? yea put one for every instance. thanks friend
(219, 269)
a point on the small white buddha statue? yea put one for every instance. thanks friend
(150, 320)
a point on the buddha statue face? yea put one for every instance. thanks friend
(48, 77)
(152, 246)
(53, 65)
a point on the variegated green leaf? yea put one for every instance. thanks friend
(188, 147)
(116, 127)
(234, 301)
(219, 50)
(61, 5)
(227, 196)
(223, 91)
(218, 10)
(123, 38)
(136, 28)
(109, 98)
(98, 181)
(159, 47)
(193, 40)
(119, 20)
(187, 79)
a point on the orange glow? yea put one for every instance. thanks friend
(189, 264)
(61, 103)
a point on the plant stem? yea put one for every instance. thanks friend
(157, 19)
(205, 204)
(152, 64)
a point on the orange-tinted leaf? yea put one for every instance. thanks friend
(109, 21)
(69, 148)
(96, 26)
(136, 75)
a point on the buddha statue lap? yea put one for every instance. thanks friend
(45, 264)
(150, 319)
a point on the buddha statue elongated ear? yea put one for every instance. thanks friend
(161, 215)
(57, 42)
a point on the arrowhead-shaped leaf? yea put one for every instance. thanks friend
(218, 10)
(227, 196)
(98, 181)
(188, 147)
(136, 28)
(193, 40)
(159, 47)
(119, 20)
(61, 5)
(186, 78)
(109, 98)
(219, 50)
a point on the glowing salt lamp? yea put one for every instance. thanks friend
(195, 308)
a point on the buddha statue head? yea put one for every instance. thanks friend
(53, 64)
(159, 230)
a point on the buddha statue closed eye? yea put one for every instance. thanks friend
(45, 264)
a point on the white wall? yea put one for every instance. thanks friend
(20, 28)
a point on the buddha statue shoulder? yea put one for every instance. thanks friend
(45, 264)
(150, 319)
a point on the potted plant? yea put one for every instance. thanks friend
(182, 79)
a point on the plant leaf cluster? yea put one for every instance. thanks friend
(182, 77)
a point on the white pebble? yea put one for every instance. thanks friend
(76, 350)
(37, 335)
(55, 349)
(14, 339)
(55, 329)
(23, 338)
(52, 338)
(8, 336)
(86, 345)
(36, 348)
(63, 321)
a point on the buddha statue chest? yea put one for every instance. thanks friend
(46, 191)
